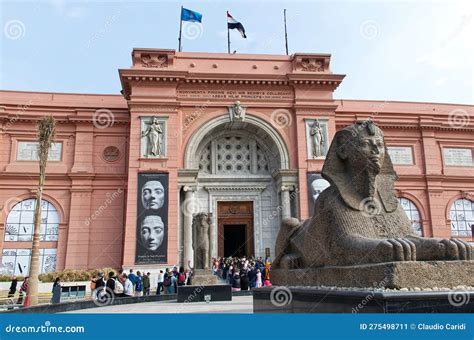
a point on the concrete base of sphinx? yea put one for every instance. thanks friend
(395, 275)
(394, 287)
(281, 299)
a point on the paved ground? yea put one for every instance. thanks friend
(239, 304)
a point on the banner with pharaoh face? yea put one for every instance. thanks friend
(152, 219)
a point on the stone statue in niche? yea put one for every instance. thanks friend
(358, 219)
(154, 133)
(201, 240)
(237, 112)
(317, 139)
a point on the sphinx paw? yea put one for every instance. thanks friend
(449, 249)
(464, 249)
(397, 249)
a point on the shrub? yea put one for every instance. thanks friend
(8, 278)
(70, 275)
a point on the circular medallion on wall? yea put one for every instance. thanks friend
(111, 154)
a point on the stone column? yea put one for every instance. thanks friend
(285, 202)
(189, 206)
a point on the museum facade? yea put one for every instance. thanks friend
(238, 139)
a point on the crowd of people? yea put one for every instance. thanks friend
(139, 284)
(243, 273)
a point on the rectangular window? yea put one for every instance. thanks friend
(17, 261)
(28, 151)
(457, 157)
(401, 155)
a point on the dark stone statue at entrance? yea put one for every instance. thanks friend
(201, 224)
(359, 222)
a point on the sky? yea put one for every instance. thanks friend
(389, 50)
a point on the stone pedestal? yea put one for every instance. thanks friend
(204, 277)
(407, 274)
(206, 287)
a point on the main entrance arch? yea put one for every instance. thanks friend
(237, 167)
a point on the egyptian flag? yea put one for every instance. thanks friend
(232, 23)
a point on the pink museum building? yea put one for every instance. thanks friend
(230, 136)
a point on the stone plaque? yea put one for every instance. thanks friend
(28, 151)
(457, 157)
(401, 155)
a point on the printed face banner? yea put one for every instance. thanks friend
(152, 219)
(316, 185)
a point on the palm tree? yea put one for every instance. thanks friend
(46, 131)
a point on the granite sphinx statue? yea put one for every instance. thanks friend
(201, 226)
(358, 219)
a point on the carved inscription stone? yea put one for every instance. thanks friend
(235, 94)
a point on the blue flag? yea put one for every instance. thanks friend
(188, 15)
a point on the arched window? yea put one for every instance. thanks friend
(413, 215)
(19, 227)
(462, 217)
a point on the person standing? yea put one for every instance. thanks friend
(174, 282)
(166, 281)
(93, 284)
(160, 283)
(127, 286)
(181, 277)
(146, 284)
(139, 284)
(99, 286)
(23, 290)
(258, 280)
(12, 290)
(252, 277)
(236, 281)
(110, 286)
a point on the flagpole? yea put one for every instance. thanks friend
(180, 28)
(228, 33)
(286, 35)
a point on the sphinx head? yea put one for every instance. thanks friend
(362, 147)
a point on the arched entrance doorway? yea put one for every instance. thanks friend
(237, 179)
